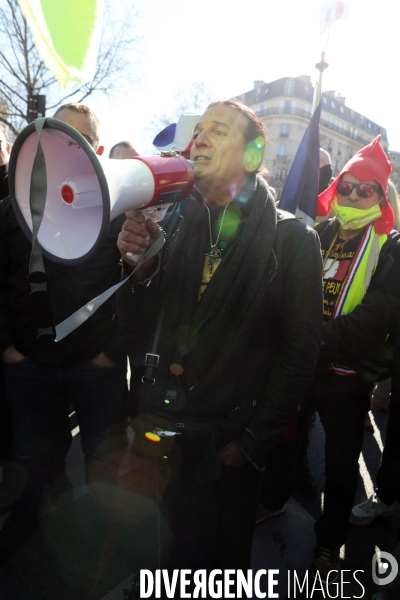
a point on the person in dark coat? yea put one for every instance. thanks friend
(86, 368)
(5, 150)
(5, 416)
(361, 262)
(240, 300)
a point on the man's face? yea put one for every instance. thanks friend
(81, 123)
(5, 149)
(219, 147)
(354, 200)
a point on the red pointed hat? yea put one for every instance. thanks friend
(370, 162)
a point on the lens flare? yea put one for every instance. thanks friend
(176, 369)
(254, 154)
(230, 224)
(152, 437)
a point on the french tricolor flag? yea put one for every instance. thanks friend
(332, 11)
(300, 192)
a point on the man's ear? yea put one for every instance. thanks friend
(100, 150)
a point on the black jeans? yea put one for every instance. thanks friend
(203, 527)
(37, 395)
(388, 478)
(278, 481)
(213, 524)
(342, 416)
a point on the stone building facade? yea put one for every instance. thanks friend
(285, 106)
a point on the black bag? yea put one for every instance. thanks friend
(155, 432)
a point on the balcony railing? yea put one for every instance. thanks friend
(348, 134)
(297, 112)
(284, 110)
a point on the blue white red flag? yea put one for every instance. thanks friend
(299, 194)
(331, 11)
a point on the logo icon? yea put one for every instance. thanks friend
(384, 568)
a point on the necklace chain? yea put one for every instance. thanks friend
(220, 227)
(215, 252)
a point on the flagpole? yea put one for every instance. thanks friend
(327, 39)
(321, 66)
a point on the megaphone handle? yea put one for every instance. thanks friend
(156, 214)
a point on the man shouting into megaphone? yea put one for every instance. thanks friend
(232, 324)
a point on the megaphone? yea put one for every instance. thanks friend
(84, 192)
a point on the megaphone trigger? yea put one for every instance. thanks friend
(156, 214)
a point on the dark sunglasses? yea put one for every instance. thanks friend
(364, 190)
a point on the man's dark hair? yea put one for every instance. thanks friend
(124, 144)
(255, 128)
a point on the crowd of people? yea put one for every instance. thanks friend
(241, 328)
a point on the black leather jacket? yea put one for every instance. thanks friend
(279, 365)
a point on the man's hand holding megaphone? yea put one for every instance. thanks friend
(134, 239)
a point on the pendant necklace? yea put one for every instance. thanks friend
(215, 252)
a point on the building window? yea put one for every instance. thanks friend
(324, 100)
(369, 125)
(261, 110)
(280, 174)
(341, 109)
(266, 91)
(282, 150)
(289, 88)
(287, 106)
(284, 130)
(308, 109)
(332, 104)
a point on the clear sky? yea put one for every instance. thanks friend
(228, 44)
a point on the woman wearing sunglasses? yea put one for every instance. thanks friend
(361, 273)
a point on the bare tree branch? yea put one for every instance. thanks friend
(193, 98)
(23, 72)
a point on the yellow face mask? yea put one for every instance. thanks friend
(355, 218)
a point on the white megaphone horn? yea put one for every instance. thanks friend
(85, 192)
